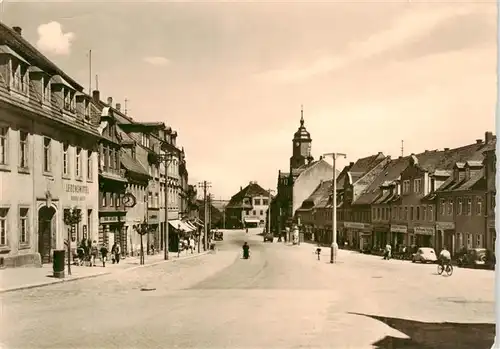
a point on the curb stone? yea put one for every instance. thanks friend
(76, 278)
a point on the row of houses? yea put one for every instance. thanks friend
(65, 153)
(432, 199)
(436, 198)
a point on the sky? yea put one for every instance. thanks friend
(231, 77)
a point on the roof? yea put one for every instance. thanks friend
(132, 165)
(19, 44)
(453, 184)
(322, 190)
(251, 190)
(283, 174)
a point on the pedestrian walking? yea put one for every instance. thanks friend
(104, 254)
(116, 252)
(179, 248)
(191, 244)
(93, 253)
(186, 244)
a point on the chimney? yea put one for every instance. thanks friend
(110, 101)
(18, 30)
(488, 137)
(241, 188)
(96, 95)
(351, 164)
(426, 151)
(446, 149)
(479, 141)
(321, 157)
(118, 106)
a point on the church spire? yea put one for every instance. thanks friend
(301, 115)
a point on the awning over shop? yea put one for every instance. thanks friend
(191, 225)
(198, 222)
(175, 223)
(252, 220)
(186, 227)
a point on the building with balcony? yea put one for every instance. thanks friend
(48, 155)
(112, 183)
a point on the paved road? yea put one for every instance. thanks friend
(281, 298)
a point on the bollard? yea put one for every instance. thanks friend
(318, 252)
(58, 264)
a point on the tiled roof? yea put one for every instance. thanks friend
(390, 172)
(321, 192)
(132, 165)
(451, 184)
(363, 165)
(251, 190)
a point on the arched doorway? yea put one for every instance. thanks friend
(46, 230)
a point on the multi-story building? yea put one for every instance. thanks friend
(302, 179)
(490, 177)
(248, 207)
(112, 181)
(48, 158)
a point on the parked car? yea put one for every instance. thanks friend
(268, 237)
(476, 258)
(425, 255)
(218, 236)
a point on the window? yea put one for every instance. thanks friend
(23, 226)
(78, 163)
(86, 111)
(412, 213)
(406, 186)
(379, 215)
(150, 198)
(157, 200)
(374, 213)
(406, 213)
(424, 213)
(450, 207)
(90, 167)
(256, 202)
(103, 199)
(469, 207)
(3, 226)
(133, 152)
(23, 149)
(431, 213)
(265, 202)
(4, 142)
(19, 74)
(89, 222)
(46, 90)
(418, 213)
(460, 241)
(254, 212)
(65, 160)
(400, 212)
(46, 154)
(479, 205)
(261, 212)
(442, 210)
(69, 100)
(469, 240)
(479, 240)
(417, 185)
(117, 199)
(460, 207)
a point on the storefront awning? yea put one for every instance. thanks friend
(191, 225)
(252, 220)
(186, 227)
(175, 223)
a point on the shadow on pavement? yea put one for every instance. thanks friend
(430, 335)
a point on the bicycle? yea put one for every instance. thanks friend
(445, 267)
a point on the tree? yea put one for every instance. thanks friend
(71, 218)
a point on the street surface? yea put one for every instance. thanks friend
(282, 297)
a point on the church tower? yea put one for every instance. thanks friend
(301, 145)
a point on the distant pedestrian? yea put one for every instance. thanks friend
(191, 244)
(93, 253)
(104, 254)
(116, 251)
(179, 248)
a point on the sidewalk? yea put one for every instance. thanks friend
(13, 279)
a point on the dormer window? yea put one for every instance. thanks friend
(86, 110)
(46, 90)
(467, 173)
(69, 100)
(19, 76)
(145, 140)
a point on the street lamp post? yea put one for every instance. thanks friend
(167, 159)
(334, 247)
(143, 229)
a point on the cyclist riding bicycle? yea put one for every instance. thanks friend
(444, 257)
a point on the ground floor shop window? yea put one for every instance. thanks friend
(479, 240)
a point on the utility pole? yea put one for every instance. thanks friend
(334, 246)
(205, 185)
(402, 147)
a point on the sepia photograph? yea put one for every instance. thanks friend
(248, 174)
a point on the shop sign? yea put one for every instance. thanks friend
(73, 189)
(395, 228)
(445, 225)
(423, 230)
(109, 219)
(356, 225)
